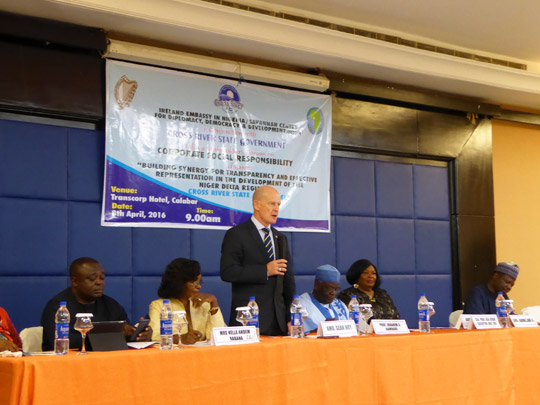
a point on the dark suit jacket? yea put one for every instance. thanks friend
(243, 263)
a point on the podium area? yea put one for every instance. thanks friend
(444, 367)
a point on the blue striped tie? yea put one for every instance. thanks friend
(268, 244)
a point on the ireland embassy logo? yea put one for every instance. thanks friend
(229, 99)
(315, 121)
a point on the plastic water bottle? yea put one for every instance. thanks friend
(61, 334)
(502, 314)
(354, 312)
(297, 329)
(423, 314)
(165, 326)
(254, 309)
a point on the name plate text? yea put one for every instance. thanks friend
(523, 321)
(489, 321)
(337, 329)
(234, 335)
(388, 327)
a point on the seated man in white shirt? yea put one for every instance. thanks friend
(322, 304)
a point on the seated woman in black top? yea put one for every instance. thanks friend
(365, 281)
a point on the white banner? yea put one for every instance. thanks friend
(185, 150)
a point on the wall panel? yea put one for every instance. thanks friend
(55, 73)
(382, 211)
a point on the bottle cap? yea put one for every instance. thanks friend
(296, 296)
(353, 296)
(499, 293)
(423, 295)
(252, 298)
(165, 301)
(63, 303)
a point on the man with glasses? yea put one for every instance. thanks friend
(322, 304)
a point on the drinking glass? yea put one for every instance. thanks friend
(243, 315)
(509, 305)
(83, 324)
(431, 309)
(366, 311)
(305, 315)
(179, 320)
(430, 313)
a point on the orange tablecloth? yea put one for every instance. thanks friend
(446, 367)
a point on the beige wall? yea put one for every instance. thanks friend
(516, 178)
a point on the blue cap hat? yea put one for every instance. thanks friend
(327, 273)
(508, 268)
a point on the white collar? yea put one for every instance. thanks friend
(258, 224)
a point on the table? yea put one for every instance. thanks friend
(445, 367)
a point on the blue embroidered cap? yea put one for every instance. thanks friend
(508, 268)
(327, 273)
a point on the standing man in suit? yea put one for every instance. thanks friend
(257, 270)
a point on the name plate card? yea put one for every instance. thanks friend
(464, 322)
(523, 321)
(234, 335)
(388, 327)
(337, 329)
(484, 322)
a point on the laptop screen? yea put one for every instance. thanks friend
(107, 336)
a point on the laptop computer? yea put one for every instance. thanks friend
(107, 336)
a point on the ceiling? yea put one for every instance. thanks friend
(494, 29)
(505, 28)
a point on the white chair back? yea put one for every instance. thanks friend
(31, 338)
(454, 316)
(533, 311)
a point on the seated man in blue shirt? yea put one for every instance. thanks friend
(481, 299)
(322, 304)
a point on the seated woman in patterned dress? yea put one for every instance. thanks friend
(365, 281)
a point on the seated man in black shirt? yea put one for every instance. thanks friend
(85, 295)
